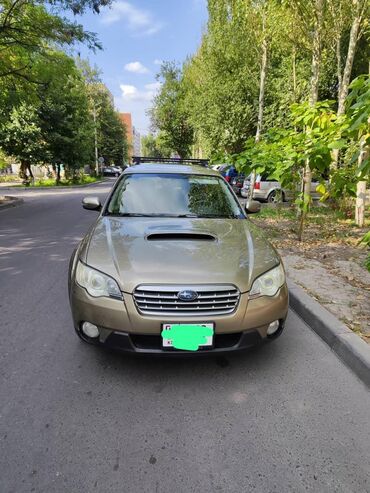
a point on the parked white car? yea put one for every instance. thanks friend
(268, 190)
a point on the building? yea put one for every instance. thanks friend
(136, 143)
(133, 136)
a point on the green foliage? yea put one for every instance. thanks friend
(21, 137)
(64, 118)
(111, 132)
(76, 180)
(221, 80)
(112, 141)
(282, 153)
(169, 114)
(150, 146)
(56, 127)
(27, 31)
(365, 242)
(358, 103)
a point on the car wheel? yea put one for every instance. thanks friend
(274, 198)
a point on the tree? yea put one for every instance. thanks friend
(150, 148)
(358, 103)
(169, 114)
(22, 138)
(110, 140)
(56, 128)
(28, 29)
(221, 80)
(346, 14)
(65, 120)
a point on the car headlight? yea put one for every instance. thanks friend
(96, 283)
(269, 283)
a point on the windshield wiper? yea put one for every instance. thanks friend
(128, 214)
(187, 215)
(216, 216)
(138, 214)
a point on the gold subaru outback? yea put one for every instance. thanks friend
(173, 265)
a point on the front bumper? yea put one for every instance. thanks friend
(122, 326)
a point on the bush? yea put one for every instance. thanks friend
(9, 178)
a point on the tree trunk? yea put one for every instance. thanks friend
(361, 186)
(353, 38)
(30, 171)
(344, 80)
(261, 99)
(335, 152)
(23, 170)
(314, 96)
(96, 142)
(294, 74)
(360, 203)
(338, 51)
(56, 169)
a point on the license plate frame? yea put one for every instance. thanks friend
(167, 344)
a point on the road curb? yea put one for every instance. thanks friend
(11, 202)
(346, 344)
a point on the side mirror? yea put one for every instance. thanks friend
(91, 203)
(252, 206)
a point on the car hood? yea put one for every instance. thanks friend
(178, 251)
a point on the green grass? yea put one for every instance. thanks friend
(9, 178)
(268, 212)
(317, 215)
(50, 182)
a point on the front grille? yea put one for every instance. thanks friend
(212, 300)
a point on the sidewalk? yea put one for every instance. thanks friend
(328, 265)
(341, 286)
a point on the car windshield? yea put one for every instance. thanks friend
(173, 195)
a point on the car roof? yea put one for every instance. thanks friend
(170, 168)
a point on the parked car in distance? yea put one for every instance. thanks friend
(269, 190)
(228, 171)
(173, 265)
(216, 167)
(112, 171)
(237, 183)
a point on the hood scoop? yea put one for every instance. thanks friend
(180, 236)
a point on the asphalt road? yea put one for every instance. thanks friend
(74, 419)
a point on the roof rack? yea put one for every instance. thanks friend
(172, 160)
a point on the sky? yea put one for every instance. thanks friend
(137, 35)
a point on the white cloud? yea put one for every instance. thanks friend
(141, 22)
(157, 61)
(137, 101)
(136, 68)
(128, 91)
(132, 93)
(154, 86)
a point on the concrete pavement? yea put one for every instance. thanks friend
(73, 418)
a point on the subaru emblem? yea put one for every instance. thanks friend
(187, 295)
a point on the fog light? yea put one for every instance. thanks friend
(90, 330)
(273, 327)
